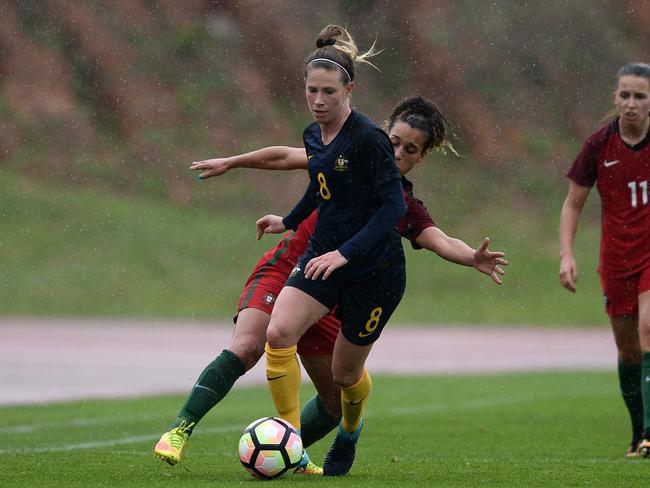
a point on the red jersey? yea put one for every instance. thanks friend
(284, 256)
(416, 218)
(621, 173)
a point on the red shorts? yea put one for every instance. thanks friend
(320, 338)
(622, 294)
(262, 289)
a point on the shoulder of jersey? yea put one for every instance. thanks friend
(602, 133)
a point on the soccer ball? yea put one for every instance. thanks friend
(269, 448)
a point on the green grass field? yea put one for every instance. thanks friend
(68, 251)
(541, 429)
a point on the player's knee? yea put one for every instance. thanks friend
(249, 351)
(345, 378)
(279, 337)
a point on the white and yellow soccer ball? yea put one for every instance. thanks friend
(270, 448)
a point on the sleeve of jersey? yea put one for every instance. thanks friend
(416, 219)
(377, 150)
(303, 208)
(583, 169)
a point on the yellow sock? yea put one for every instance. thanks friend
(283, 376)
(353, 402)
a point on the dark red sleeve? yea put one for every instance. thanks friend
(583, 170)
(415, 220)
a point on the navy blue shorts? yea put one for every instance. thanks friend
(365, 302)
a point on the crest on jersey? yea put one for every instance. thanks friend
(341, 164)
(269, 298)
(295, 271)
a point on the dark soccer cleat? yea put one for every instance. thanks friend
(340, 457)
(644, 448)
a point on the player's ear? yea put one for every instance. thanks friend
(349, 87)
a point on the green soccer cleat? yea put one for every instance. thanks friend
(340, 457)
(171, 444)
(306, 466)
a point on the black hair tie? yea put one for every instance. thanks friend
(325, 42)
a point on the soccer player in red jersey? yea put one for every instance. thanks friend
(616, 159)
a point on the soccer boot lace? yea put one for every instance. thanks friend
(306, 466)
(171, 444)
(340, 457)
(644, 448)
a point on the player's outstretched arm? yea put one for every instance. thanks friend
(273, 157)
(269, 224)
(456, 251)
(569, 218)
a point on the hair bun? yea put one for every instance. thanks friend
(325, 42)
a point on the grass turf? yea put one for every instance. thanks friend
(533, 429)
(69, 251)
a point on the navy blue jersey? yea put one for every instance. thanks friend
(355, 184)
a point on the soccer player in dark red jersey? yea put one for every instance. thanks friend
(415, 127)
(616, 159)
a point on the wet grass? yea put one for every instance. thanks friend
(538, 430)
(70, 251)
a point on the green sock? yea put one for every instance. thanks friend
(213, 384)
(316, 422)
(645, 389)
(629, 377)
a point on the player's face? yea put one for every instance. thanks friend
(632, 100)
(327, 96)
(408, 143)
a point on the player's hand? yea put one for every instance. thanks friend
(489, 262)
(210, 167)
(324, 265)
(568, 273)
(269, 224)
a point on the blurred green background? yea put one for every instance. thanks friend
(104, 105)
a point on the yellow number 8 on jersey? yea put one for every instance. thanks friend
(324, 191)
(372, 323)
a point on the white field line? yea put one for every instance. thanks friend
(415, 410)
(79, 422)
(105, 443)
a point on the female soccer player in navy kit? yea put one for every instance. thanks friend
(617, 160)
(415, 127)
(354, 259)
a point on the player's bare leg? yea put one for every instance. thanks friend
(249, 336)
(319, 369)
(644, 338)
(323, 412)
(245, 349)
(294, 312)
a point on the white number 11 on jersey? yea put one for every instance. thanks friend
(643, 186)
